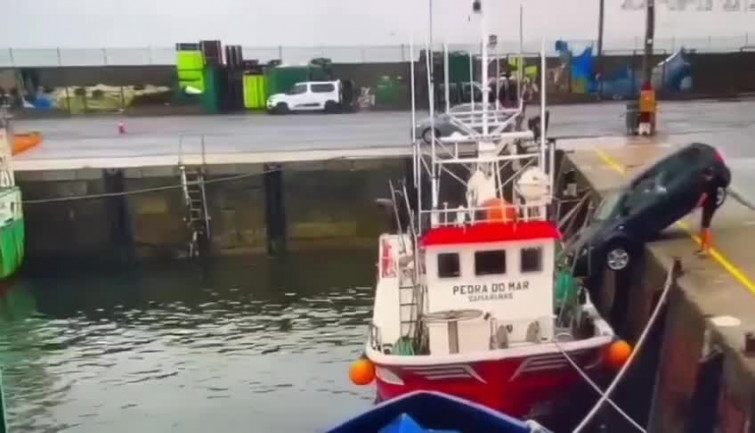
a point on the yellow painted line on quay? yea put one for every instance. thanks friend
(717, 255)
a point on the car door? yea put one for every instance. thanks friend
(311, 100)
(681, 177)
(296, 97)
(641, 206)
(322, 93)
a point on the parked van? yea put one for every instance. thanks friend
(308, 96)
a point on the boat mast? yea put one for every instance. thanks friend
(484, 64)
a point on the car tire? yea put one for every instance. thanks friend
(330, 107)
(618, 256)
(281, 108)
(427, 136)
(720, 196)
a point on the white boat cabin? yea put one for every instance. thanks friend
(489, 286)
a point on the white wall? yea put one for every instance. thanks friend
(129, 23)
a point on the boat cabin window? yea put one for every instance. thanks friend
(448, 265)
(531, 259)
(490, 262)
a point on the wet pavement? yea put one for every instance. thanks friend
(729, 125)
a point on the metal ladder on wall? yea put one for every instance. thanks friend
(195, 198)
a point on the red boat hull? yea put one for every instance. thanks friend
(521, 387)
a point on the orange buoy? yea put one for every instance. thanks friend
(497, 210)
(362, 372)
(618, 353)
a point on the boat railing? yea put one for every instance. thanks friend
(497, 213)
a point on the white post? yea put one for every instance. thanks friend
(520, 68)
(542, 103)
(415, 151)
(445, 76)
(497, 74)
(484, 79)
(433, 168)
(471, 78)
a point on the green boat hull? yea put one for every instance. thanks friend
(12, 232)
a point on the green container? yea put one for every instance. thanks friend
(189, 67)
(458, 67)
(388, 92)
(282, 78)
(255, 91)
(211, 93)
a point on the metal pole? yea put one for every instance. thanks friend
(497, 75)
(542, 104)
(471, 78)
(431, 67)
(433, 169)
(647, 66)
(484, 79)
(414, 116)
(445, 77)
(520, 68)
(599, 59)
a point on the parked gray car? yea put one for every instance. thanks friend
(443, 125)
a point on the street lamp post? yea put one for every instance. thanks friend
(647, 66)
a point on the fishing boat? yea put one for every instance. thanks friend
(473, 297)
(428, 411)
(12, 232)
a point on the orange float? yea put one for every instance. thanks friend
(618, 353)
(362, 372)
(497, 210)
(22, 142)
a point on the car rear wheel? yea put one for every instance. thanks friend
(427, 135)
(331, 107)
(720, 196)
(618, 257)
(281, 108)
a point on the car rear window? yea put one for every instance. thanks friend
(323, 88)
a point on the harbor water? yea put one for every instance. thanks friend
(249, 344)
(234, 344)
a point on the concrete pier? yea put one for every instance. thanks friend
(703, 375)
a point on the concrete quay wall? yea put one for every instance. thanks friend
(325, 203)
(694, 367)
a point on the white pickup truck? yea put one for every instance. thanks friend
(307, 96)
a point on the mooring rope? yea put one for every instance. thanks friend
(596, 387)
(144, 190)
(640, 342)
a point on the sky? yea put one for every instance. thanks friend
(157, 23)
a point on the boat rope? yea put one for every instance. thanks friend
(595, 386)
(670, 279)
(144, 190)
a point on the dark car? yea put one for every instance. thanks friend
(655, 199)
